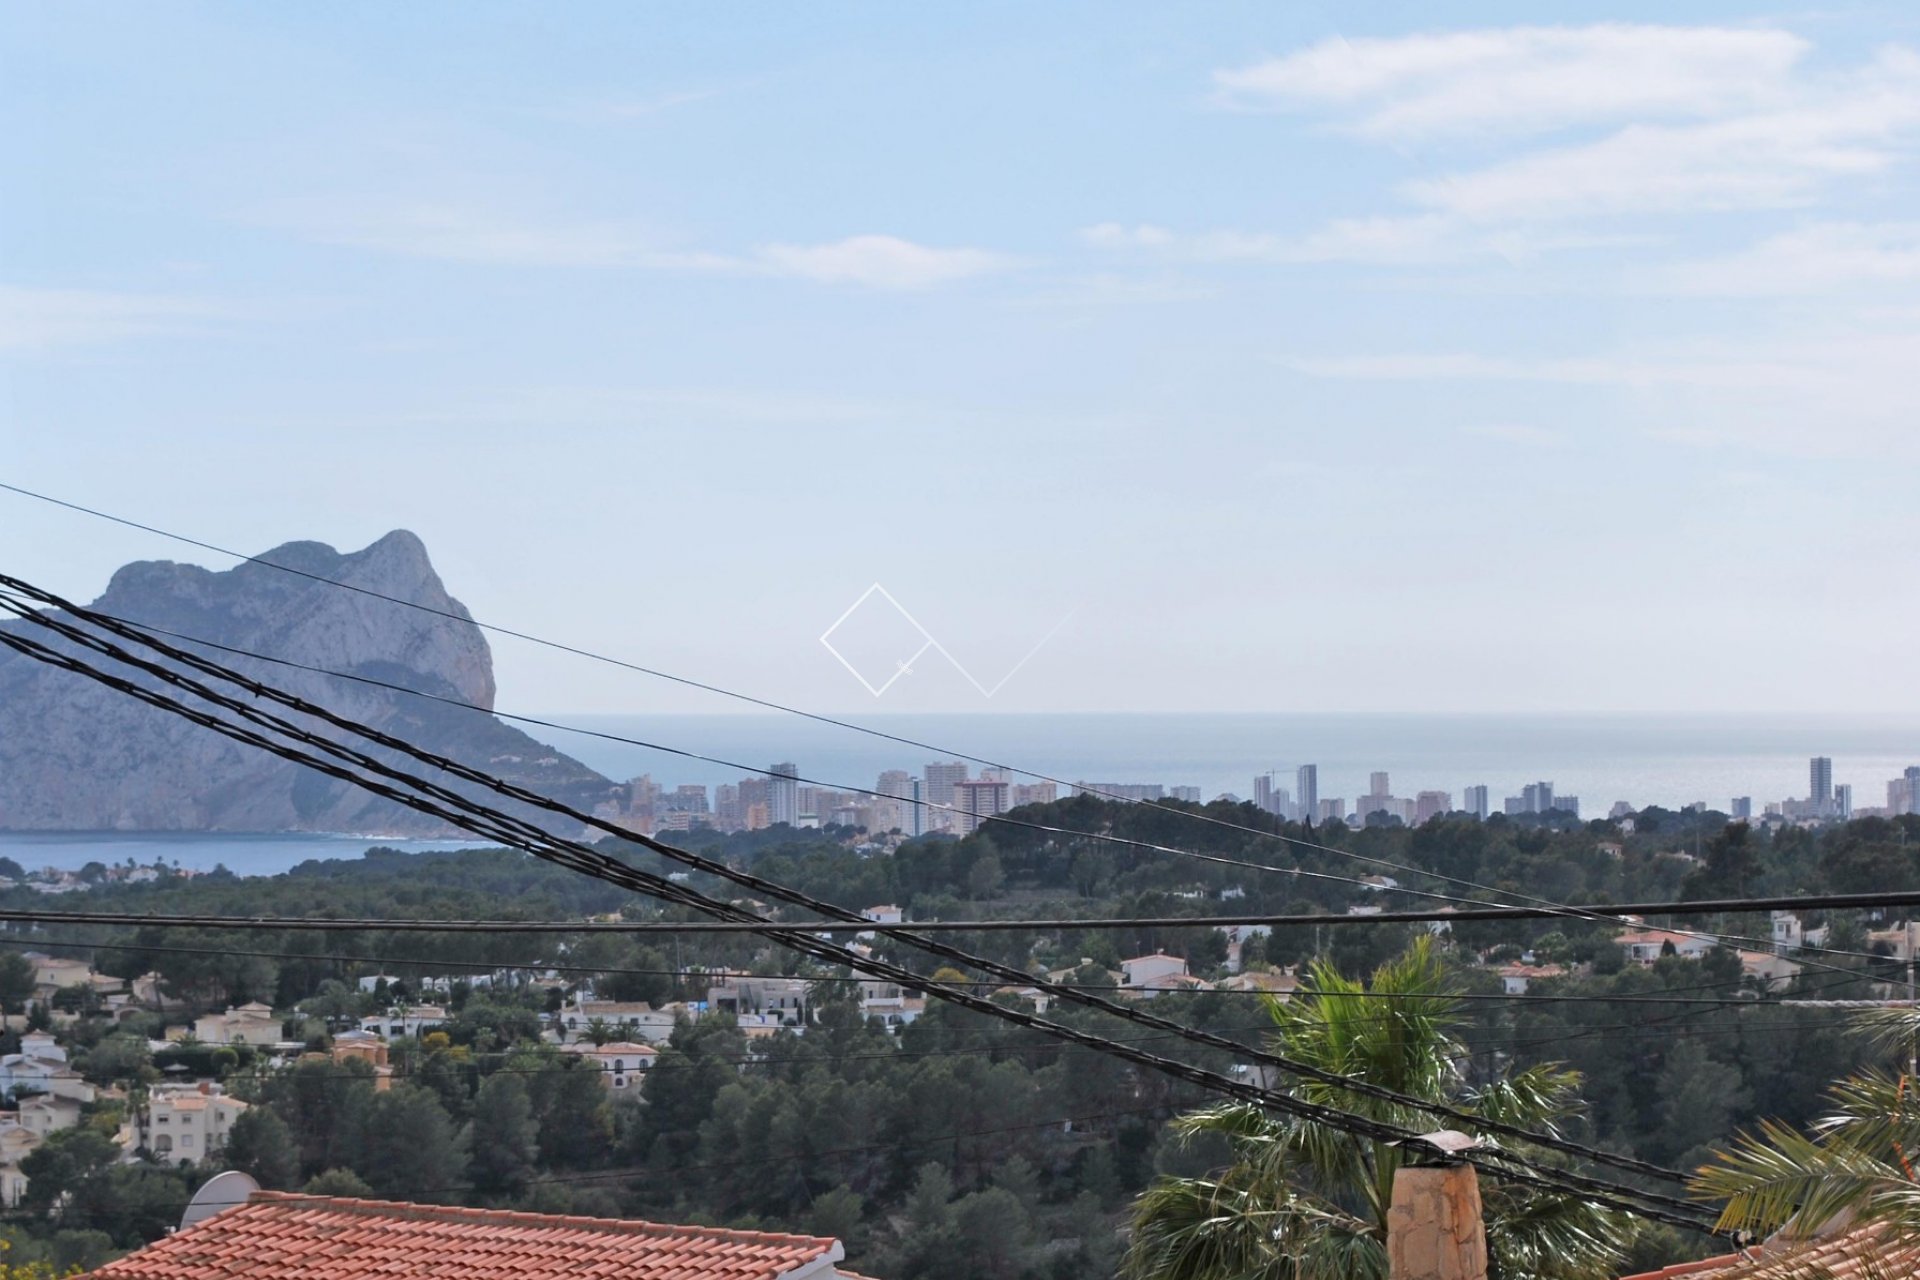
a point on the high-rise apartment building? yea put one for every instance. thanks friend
(1306, 790)
(728, 813)
(979, 800)
(1536, 797)
(893, 789)
(783, 794)
(1741, 809)
(1189, 794)
(1263, 792)
(1034, 793)
(940, 778)
(1332, 809)
(1820, 784)
(1475, 802)
(1377, 784)
(1429, 805)
(1843, 801)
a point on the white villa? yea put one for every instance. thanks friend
(621, 1062)
(187, 1122)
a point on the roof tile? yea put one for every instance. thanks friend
(285, 1236)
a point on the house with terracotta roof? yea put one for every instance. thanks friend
(286, 1236)
(252, 1024)
(1646, 946)
(1840, 1253)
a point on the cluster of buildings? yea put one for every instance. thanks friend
(944, 796)
(1828, 801)
(1305, 803)
(54, 880)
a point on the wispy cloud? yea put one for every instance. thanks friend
(473, 234)
(1541, 140)
(33, 319)
(1843, 395)
(879, 262)
(1522, 80)
(1819, 258)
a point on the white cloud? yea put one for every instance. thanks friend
(1819, 258)
(32, 319)
(1648, 122)
(1524, 79)
(879, 262)
(1760, 160)
(473, 234)
(1845, 394)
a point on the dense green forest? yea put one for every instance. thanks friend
(959, 1145)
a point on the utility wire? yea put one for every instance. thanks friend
(761, 702)
(489, 823)
(718, 975)
(1081, 924)
(261, 690)
(1478, 910)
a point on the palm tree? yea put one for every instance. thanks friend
(1301, 1201)
(1862, 1158)
(599, 1031)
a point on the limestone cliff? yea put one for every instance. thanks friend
(75, 755)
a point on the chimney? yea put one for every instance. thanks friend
(1434, 1227)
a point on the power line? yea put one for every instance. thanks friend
(761, 702)
(490, 823)
(1606, 912)
(243, 923)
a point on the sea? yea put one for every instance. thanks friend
(1670, 760)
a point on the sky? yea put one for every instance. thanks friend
(1143, 357)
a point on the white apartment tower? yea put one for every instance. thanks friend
(783, 794)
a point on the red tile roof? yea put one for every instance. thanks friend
(284, 1236)
(1843, 1256)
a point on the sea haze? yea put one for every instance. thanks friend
(1667, 760)
(1644, 759)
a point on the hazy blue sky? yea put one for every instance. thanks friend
(1262, 356)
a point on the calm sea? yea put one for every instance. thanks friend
(1667, 760)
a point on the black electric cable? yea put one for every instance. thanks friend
(595, 863)
(770, 705)
(260, 689)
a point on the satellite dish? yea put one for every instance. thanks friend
(222, 1191)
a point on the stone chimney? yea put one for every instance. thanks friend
(1434, 1227)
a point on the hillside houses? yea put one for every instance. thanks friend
(626, 1020)
(621, 1063)
(186, 1123)
(1646, 946)
(254, 1024)
(405, 1020)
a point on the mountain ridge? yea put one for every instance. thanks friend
(75, 755)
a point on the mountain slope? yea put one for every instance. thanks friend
(75, 755)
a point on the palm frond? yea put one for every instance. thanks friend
(1769, 1178)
